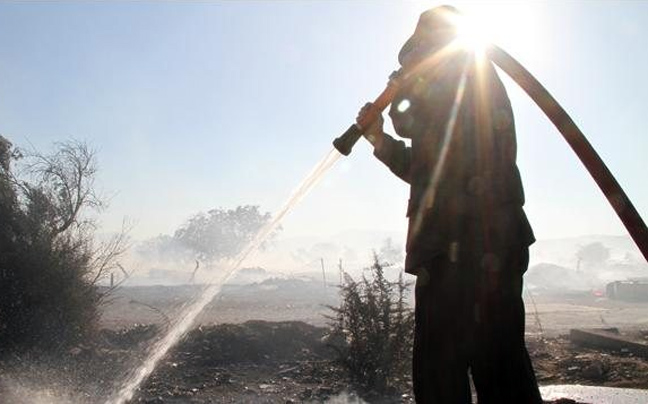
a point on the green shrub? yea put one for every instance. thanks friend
(373, 329)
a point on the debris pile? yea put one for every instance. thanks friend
(253, 341)
(566, 360)
(257, 360)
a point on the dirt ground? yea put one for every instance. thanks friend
(549, 319)
(286, 362)
(304, 300)
(309, 374)
(272, 300)
(281, 357)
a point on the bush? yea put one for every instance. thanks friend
(373, 330)
(49, 266)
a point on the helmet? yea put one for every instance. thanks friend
(435, 28)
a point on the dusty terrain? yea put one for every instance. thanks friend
(281, 357)
(306, 300)
(271, 300)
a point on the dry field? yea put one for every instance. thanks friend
(280, 356)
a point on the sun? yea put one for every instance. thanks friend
(472, 34)
(514, 26)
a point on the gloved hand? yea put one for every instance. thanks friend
(373, 132)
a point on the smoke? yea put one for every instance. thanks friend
(345, 398)
(582, 264)
(28, 390)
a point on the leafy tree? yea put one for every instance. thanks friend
(373, 330)
(593, 254)
(221, 233)
(49, 263)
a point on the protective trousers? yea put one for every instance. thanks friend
(470, 317)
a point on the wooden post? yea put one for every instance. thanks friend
(323, 272)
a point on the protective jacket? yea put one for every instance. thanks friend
(461, 164)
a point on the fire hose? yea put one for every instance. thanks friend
(614, 193)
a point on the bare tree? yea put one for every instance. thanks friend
(65, 180)
(66, 177)
(105, 260)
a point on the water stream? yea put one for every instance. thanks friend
(186, 319)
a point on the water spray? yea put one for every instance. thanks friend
(615, 195)
(186, 319)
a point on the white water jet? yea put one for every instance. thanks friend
(186, 319)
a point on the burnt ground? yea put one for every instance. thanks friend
(559, 361)
(253, 362)
(288, 361)
(284, 362)
(257, 369)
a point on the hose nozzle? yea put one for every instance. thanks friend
(348, 139)
(345, 143)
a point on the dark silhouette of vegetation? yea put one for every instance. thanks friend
(593, 254)
(221, 233)
(218, 234)
(50, 265)
(373, 330)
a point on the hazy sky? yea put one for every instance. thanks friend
(215, 104)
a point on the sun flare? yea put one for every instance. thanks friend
(473, 34)
(515, 26)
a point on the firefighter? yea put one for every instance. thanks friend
(468, 236)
